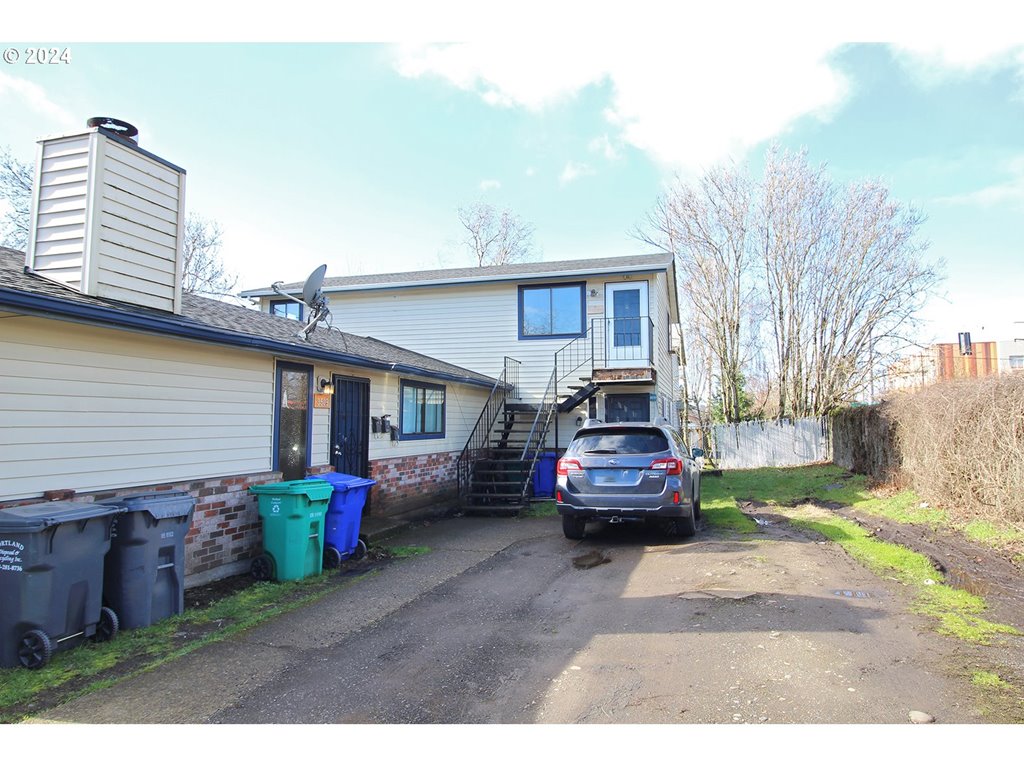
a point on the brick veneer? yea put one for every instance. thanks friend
(225, 531)
(412, 481)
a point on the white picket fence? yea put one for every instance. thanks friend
(756, 444)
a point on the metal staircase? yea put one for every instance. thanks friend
(496, 467)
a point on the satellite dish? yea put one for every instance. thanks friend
(312, 297)
(311, 289)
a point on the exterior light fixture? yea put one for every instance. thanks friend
(324, 386)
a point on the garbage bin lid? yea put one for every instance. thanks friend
(344, 481)
(161, 504)
(314, 489)
(39, 516)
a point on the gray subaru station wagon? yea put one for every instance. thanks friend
(627, 472)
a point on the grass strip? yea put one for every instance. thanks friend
(957, 611)
(154, 645)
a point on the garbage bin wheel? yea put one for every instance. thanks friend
(262, 568)
(360, 550)
(108, 625)
(332, 558)
(34, 649)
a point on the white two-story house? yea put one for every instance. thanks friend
(568, 339)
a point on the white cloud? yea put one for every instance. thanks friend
(933, 62)
(489, 183)
(688, 106)
(602, 145)
(573, 171)
(35, 98)
(1009, 192)
(692, 104)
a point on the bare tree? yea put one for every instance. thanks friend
(707, 227)
(828, 280)
(16, 191)
(203, 270)
(496, 237)
(844, 279)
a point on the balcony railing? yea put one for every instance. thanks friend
(609, 342)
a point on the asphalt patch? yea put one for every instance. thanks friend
(589, 560)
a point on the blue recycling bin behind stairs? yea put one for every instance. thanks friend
(344, 516)
(544, 475)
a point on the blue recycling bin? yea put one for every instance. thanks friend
(344, 516)
(544, 476)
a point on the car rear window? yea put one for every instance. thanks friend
(621, 442)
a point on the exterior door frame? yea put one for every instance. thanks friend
(363, 417)
(279, 366)
(620, 356)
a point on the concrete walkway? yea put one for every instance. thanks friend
(195, 688)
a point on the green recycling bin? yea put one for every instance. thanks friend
(292, 514)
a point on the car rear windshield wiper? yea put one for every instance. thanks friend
(601, 451)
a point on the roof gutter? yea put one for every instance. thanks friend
(49, 307)
(631, 269)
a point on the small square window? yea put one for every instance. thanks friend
(423, 410)
(1017, 362)
(285, 308)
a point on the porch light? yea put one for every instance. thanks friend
(324, 386)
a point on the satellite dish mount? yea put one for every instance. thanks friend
(312, 298)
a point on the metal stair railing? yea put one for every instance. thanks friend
(505, 387)
(547, 408)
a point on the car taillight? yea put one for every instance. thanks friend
(558, 496)
(670, 465)
(564, 464)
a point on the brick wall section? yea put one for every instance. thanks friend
(226, 530)
(225, 526)
(412, 481)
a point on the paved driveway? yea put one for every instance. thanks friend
(496, 624)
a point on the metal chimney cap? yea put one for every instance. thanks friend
(112, 124)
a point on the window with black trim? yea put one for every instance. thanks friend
(285, 308)
(552, 311)
(423, 410)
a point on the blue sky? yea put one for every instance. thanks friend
(359, 154)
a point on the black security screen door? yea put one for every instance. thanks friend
(350, 410)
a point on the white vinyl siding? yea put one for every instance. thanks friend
(474, 326)
(91, 409)
(138, 219)
(58, 246)
(107, 220)
(462, 408)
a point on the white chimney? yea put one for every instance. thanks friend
(108, 217)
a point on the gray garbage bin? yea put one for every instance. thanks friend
(51, 579)
(144, 573)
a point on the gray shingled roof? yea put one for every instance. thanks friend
(199, 312)
(484, 273)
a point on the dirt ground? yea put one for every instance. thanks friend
(973, 567)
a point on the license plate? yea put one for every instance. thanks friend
(615, 476)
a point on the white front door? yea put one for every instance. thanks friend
(627, 325)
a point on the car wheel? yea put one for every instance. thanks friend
(696, 506)
(686, 527)
(573, 526)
